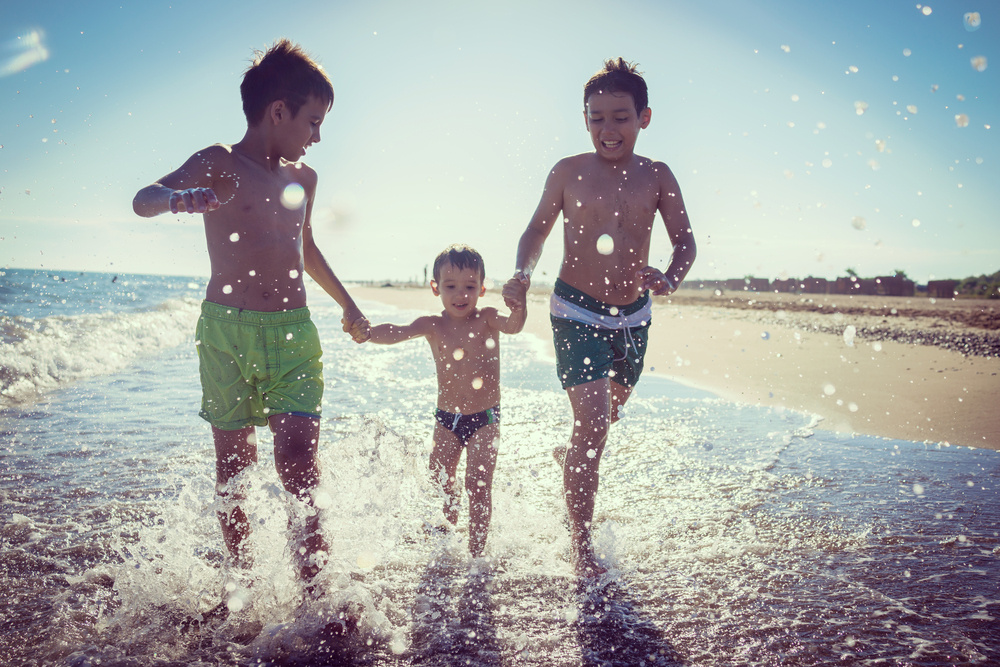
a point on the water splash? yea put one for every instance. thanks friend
(972, 21)
(293, 196)
(605, 244)
(978, 63)
(28, 50)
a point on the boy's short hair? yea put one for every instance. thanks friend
(461, 257)
(618, 76)
(283, 72)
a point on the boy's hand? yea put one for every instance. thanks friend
(515, 293)
(193, 200)
(359, 327)
(653, 279)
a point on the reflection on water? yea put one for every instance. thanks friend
(737, 535)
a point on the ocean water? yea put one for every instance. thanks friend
(739, 535)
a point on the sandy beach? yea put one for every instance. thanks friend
(911, 368)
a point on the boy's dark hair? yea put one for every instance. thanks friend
(461, 257)
(618, 76)
(283, 72)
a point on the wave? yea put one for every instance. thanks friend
(40, 355)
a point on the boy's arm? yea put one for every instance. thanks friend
(529, 248)
(389, 334)
(188, 189)
(315, 264)
(515, 296)
(675, 218)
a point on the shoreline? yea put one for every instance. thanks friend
(897, 374)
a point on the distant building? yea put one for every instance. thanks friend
(815, 285)
(941, 289)
(894, 286)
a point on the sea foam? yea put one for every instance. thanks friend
(39, 355)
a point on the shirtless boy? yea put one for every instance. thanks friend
(600, 309)
(259, 353)
(466, 346)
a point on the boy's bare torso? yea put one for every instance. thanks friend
(467, 355)
(618, 200)
(254, 240)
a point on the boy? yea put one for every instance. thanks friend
(258, 351)
(466, 351)
(600, 309)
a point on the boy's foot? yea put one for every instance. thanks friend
(559, 454)
(586, 564)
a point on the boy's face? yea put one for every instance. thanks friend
(459, 289)
(301, 131)
(614, 125)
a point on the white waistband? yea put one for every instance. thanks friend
(563, 309)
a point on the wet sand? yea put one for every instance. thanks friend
(916, 368)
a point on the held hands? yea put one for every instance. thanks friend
(357, 325)
(653, 279)
(193, 200)
(515, 293)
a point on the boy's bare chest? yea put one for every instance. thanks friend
(465, 346)
(623, 204)
(263, 206)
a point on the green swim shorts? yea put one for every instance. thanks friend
(586, 350)
(257, 364)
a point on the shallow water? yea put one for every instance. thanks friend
(739, 535)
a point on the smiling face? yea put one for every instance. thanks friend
(301, 130)
(614, 124)
(459, 289)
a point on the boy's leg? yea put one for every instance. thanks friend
(619, 396)
(444, 467)
(235, 451)
(591, 414)
(480, 462)
(296, 442)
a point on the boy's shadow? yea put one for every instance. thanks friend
(612, 632)
(453, 623)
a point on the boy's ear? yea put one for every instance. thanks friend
(434, 288)
(482, 291)
(586, 120)
(277, 111)
(645, 117)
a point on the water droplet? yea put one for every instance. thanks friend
(877, 346)
(907, 53)
(859, 223)
(853, 407)
(849, 334)
(477, 383)
(961, 120)
(925, 10)
(979, 63)
(765, 335)
(234, 237)
(613, 311)
(458, 354)
(490, 343)
(829, 389)
(252, 272)
(860, 107)
(918, 489)
(972, 21)
(586, 361)
(915, 223)
(591, 453)
(605, 244)
(289, 336)
(227, 289)
(292, 196)
(912, 108)
(293, 274)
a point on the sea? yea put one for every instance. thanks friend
(736, 534)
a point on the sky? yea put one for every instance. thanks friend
(807, 137)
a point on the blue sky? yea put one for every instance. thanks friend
(448, 116)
